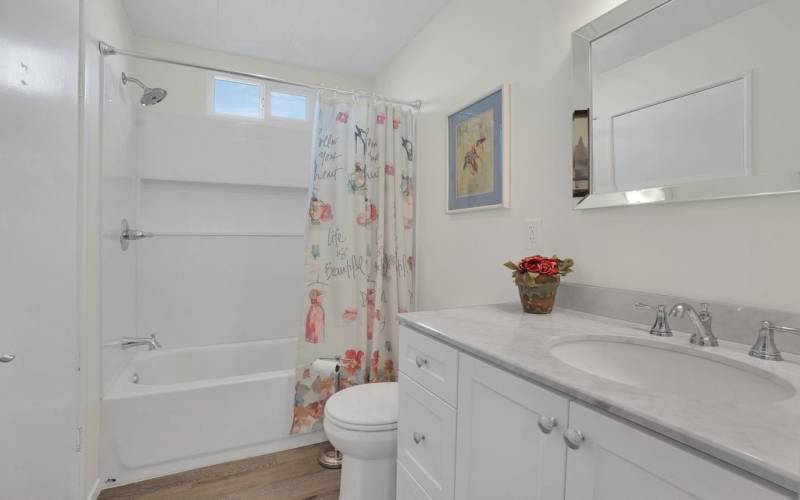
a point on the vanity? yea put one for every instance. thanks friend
(496, 403)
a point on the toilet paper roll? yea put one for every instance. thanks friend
(325, 367)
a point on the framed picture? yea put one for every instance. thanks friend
(478, 154)
(580, 153)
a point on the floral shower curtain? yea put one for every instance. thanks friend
(359, 246)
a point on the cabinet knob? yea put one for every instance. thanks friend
(574, 438)
(421, 362)
(547, 424)
(418, 437)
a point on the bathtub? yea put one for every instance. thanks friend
(176, 409)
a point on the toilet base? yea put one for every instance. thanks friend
(368, 479)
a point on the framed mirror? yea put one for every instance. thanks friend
(686, 100)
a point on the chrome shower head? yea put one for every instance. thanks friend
(150, 96)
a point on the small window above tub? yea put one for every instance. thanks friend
(287, 105)
(237, 98)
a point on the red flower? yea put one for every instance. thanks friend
(396, 123)
(389, 169)
(381, 119)
(549, 267)
(342, 117)
(539, 265)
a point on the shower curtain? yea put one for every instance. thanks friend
(359, 246)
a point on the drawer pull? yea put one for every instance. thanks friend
(418, 437)
(421, 362)
(547, 424)
(574, 438)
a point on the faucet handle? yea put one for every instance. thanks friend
(156, 343)
(765, 348)
(704, 312)
(660, 327)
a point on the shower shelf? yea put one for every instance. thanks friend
(175, 180)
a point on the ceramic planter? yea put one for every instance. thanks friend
(539, 297)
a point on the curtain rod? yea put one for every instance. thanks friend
(110, 50)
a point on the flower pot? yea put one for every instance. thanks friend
(540, 296)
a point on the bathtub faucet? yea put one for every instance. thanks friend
(151, 342)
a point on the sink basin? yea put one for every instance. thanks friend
(671, 369)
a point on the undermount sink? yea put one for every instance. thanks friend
(671, 369)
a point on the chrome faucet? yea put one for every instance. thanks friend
(701, 320)
(764, 348)
(660, 327)
(151, 342)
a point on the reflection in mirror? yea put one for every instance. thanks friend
(690, 100)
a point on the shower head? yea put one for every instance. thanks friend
(150, 96)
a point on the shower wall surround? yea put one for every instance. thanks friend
(205, 174)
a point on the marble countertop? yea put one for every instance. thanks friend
(762, 438)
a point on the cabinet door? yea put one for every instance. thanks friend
(502, 452)
(617, 461)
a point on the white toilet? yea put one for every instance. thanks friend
(361, 422)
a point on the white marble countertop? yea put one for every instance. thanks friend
(762, 438)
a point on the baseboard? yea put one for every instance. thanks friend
(95, 491)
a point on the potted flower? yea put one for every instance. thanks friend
(538, 278)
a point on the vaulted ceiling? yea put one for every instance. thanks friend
(354, 37)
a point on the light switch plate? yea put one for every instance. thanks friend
(533, 234)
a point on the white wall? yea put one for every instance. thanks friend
(208, 174)
(741, 251)
(102, 20)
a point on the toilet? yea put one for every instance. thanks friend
(361, 422)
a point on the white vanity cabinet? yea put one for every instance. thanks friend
(468, 430)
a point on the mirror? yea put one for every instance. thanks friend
(686, 100)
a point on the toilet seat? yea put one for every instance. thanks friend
(364, 408)
(359, 428)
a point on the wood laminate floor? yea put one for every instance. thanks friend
(287, 475)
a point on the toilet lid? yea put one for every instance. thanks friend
(365, 405)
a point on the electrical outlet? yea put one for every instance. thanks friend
(533, 234)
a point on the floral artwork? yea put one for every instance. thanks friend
(477, 154)
(359, 248)
(475, 145)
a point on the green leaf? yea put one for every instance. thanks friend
(511, 265)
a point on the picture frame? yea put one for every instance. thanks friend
(478, 160)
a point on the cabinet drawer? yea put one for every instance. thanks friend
(407, 488)
(432, 364)
(426, 439)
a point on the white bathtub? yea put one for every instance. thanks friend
(177, 409)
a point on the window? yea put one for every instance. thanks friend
(237, 98)
(258, 100)
(284, 105)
